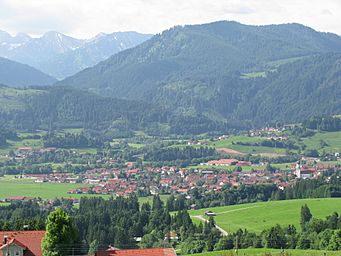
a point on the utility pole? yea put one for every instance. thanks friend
(6, 243)
(236, 245)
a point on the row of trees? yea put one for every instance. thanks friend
(118, 222)
(176, 153)
(71, 140)
(6, 134)
(323, 123)
(271, 143)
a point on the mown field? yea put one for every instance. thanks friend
(257, 216)
(333, 140)
(230, 143)
(26, 187)
(265, 252)
(22, 187)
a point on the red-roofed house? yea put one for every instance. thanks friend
(138, 252)
(21, 243)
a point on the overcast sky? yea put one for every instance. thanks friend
(86, 18)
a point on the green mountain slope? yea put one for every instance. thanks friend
(16, 74)
(199, 69)
(297, 90)
(53, 108)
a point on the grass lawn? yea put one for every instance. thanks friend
(258, 216)
(261, 252)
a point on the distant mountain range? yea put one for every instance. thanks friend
(20, 75)
(227, 71)
(60, 56)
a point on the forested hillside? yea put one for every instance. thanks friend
(53, 108)
(194, 79)
(227, 71)
(17, 74)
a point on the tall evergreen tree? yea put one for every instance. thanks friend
(305, 217)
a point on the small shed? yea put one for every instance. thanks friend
(210, 213)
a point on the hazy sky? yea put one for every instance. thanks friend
(85, 18)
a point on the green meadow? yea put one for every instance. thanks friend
(333, 140)
(26, 187)
(258, 216)
(230, 143)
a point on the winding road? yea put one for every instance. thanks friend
(200, 217)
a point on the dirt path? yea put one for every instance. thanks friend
(224, 232)
(200, 217)
(229, 151)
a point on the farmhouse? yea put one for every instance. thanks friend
(17, 198)
(21, 243)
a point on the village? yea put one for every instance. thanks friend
(211, 177)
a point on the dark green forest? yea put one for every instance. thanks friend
(216, 77)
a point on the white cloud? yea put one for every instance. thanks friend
(85, 18)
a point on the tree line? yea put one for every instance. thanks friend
(323, 123)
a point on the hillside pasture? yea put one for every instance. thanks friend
(230, 144)
(256, 217)
(333, 140)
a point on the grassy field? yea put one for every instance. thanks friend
(230, 143)
(22, 187)
(26, 187)
(258, 216)
(333, 140)
(261, 252)
(22, 141)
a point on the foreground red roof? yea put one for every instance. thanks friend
(29, 240)
(139, 252)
